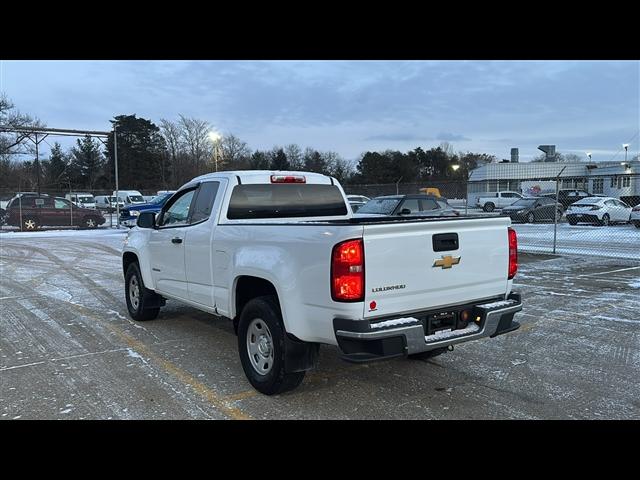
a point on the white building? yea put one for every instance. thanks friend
(612, 179)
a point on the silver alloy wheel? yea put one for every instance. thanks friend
(260, 346)
(134, 292)
(30, 224)
(90, 222)
(605, 220)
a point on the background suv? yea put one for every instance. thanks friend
(33, 211)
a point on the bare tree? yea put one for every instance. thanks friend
(15, 143)
(235, 153)
(194, 134)
(171, 133)
(294, 155)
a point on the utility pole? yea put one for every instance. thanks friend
(115, 159)
(555, 214)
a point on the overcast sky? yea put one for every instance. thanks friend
(352, 106)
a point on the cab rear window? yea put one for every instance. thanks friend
(285, 200)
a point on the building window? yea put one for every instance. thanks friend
(598, 185)
(626, 181)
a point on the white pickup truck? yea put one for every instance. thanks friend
(281, 255)
(498, 200)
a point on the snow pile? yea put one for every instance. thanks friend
(442, 334)
(394, 322)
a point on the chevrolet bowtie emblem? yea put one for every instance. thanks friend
(447, 261)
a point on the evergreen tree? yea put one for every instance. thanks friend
(86, 162)
(279, 160)
(56, 169)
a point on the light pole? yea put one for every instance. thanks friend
(215, 139)
(589, 155)
(626, 147)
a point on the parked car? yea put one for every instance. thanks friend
(82, 199)
(129, 215)
(533, 209)
(107, 203)
(568, 196)
(407, 205)
(33, 211)
(598, 211)
(3, 216)
(130, 197)
(280, 254)
(635, 216)
(492, 201)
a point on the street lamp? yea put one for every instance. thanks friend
(589, 155)
(626, 147)
(455, 167)
(215, 139)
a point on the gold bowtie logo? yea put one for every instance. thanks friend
(447, 261)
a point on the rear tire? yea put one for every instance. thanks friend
(572, 222)
(489, 207)
(261, 345)
(531, 218)
(606, 220)
(137, 295)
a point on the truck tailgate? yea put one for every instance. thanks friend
(400, 276)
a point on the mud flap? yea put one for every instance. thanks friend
(300, 356)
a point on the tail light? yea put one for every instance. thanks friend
(513, 253)
(347, 271)
(288, 179)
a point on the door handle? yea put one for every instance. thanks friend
(176, 240)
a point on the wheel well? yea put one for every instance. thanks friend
(127, 259)
(248, 288)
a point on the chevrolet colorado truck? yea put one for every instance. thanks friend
(281, 255)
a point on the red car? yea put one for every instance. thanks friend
(33, 211)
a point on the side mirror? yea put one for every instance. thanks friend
(146, 220)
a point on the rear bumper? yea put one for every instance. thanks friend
(582, 217)
(362, 341)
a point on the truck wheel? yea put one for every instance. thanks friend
(489, 207)
(427, 355)
(261, 344)
(137, 295)
(29, 224)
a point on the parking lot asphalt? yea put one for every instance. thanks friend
(68, 350)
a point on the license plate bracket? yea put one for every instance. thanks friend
(440, 321)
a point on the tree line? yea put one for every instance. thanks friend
(166, 155)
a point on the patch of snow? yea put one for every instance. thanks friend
(394, 322)
(635, 283)
(133, 354)
(501, 303)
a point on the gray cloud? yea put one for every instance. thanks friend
(451, 137)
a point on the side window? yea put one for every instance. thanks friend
(429, 204)
(610, 203)
(178, 212)
(204, 201)
(410, 204)
(60, 204)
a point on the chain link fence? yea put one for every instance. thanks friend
(555, 208)
(573, 208)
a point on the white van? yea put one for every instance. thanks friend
(81, 199)
(130, 197)
(107, 203)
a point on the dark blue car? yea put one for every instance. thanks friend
(129, 215)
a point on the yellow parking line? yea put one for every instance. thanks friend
(221, 403)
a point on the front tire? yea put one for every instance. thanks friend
(489, 207)
(30, 224)
(261, 344)
(531, 218)
(138, 297)
(90, 222)
(606, 221)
